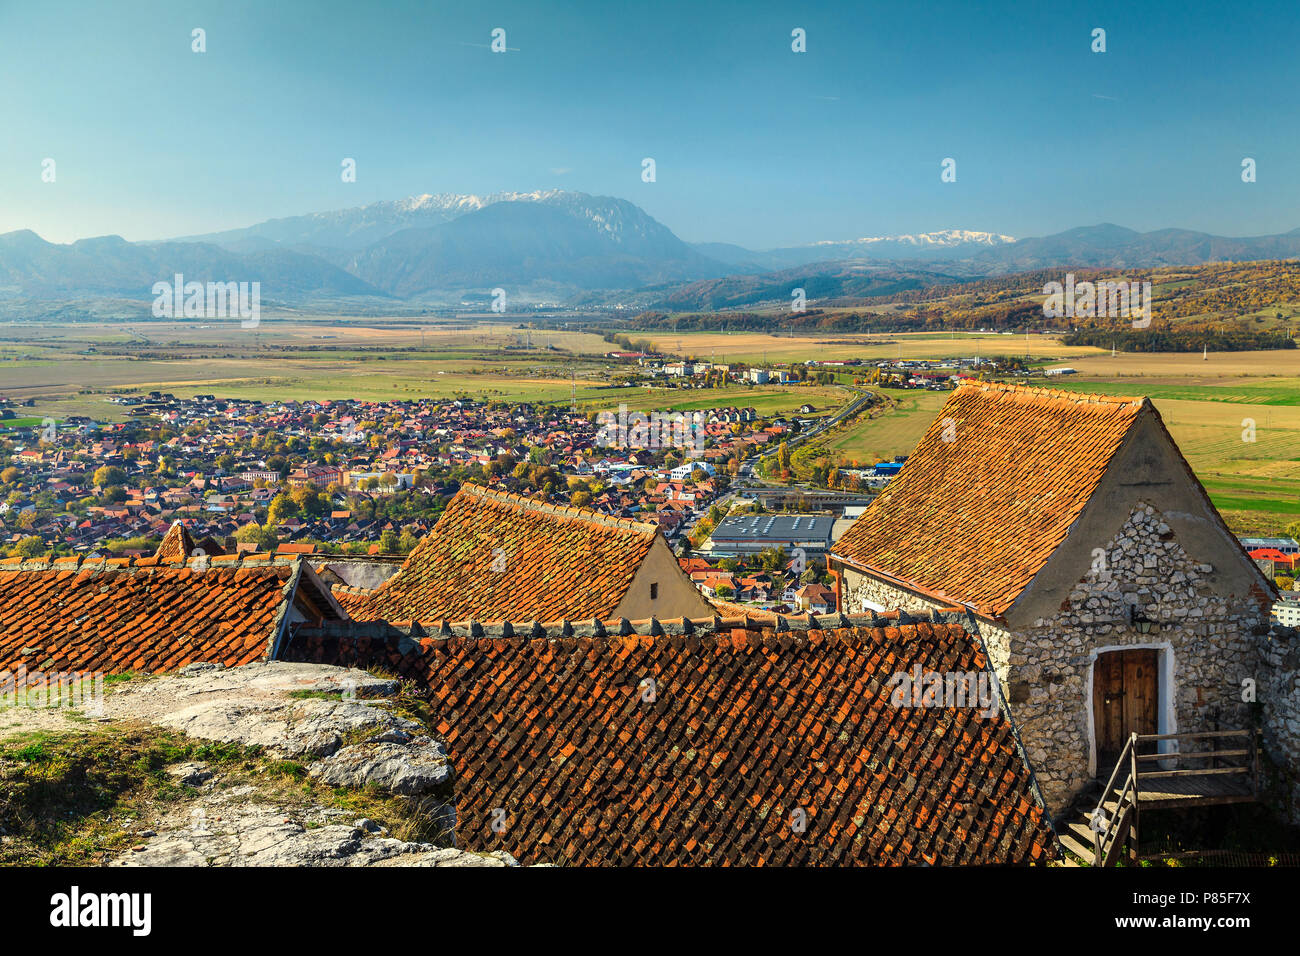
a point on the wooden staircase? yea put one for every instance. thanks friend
(1224, 770)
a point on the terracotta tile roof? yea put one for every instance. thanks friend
(120, 614)
(358, 602)
(745, 729)
(990, 492)
(296, 549)
(495, 555)
(176, 544)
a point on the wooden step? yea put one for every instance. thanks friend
(1082, 832)
(1082, 851)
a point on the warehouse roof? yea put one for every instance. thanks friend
(775, 527)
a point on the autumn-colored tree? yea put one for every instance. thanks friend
(29, 547)
(282, 506)
(263, 536)
(108, 475)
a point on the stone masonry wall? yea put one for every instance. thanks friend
(862, 594)
(1279, 692)
(1213, 643)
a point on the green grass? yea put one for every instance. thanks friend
(1270, 391)
(894, 431)
(1274, 506)
(64, 798)
(78, 799)
(19, 422)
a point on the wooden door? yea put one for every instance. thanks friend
(1124, 695)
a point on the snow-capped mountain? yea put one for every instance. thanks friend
(445, 243)
(540, 245)
(943, 244)
(944, 238)
(360, 226)
(560, 239)
(556, 245)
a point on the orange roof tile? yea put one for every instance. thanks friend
(494, 555)
(991, 491)
(358, 602)
(176, 544)
(146, 615)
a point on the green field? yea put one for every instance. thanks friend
(1273, 390)
(895, 430)
(73, 369)
(767, 400)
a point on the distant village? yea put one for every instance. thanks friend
(372, 478)
(355, 477)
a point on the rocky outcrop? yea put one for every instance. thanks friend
(222, 828)
(334, 726)
(289, 710)
(397, 763)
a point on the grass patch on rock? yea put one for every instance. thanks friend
(75, 800)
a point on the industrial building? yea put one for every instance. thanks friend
(750, 534)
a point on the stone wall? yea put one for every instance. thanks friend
(1279, 693)
(1206, 642)
(863, 594)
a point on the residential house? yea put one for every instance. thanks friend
(816, 598)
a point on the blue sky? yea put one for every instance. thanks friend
(754, 144)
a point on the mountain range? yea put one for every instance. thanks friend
(564, 247)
